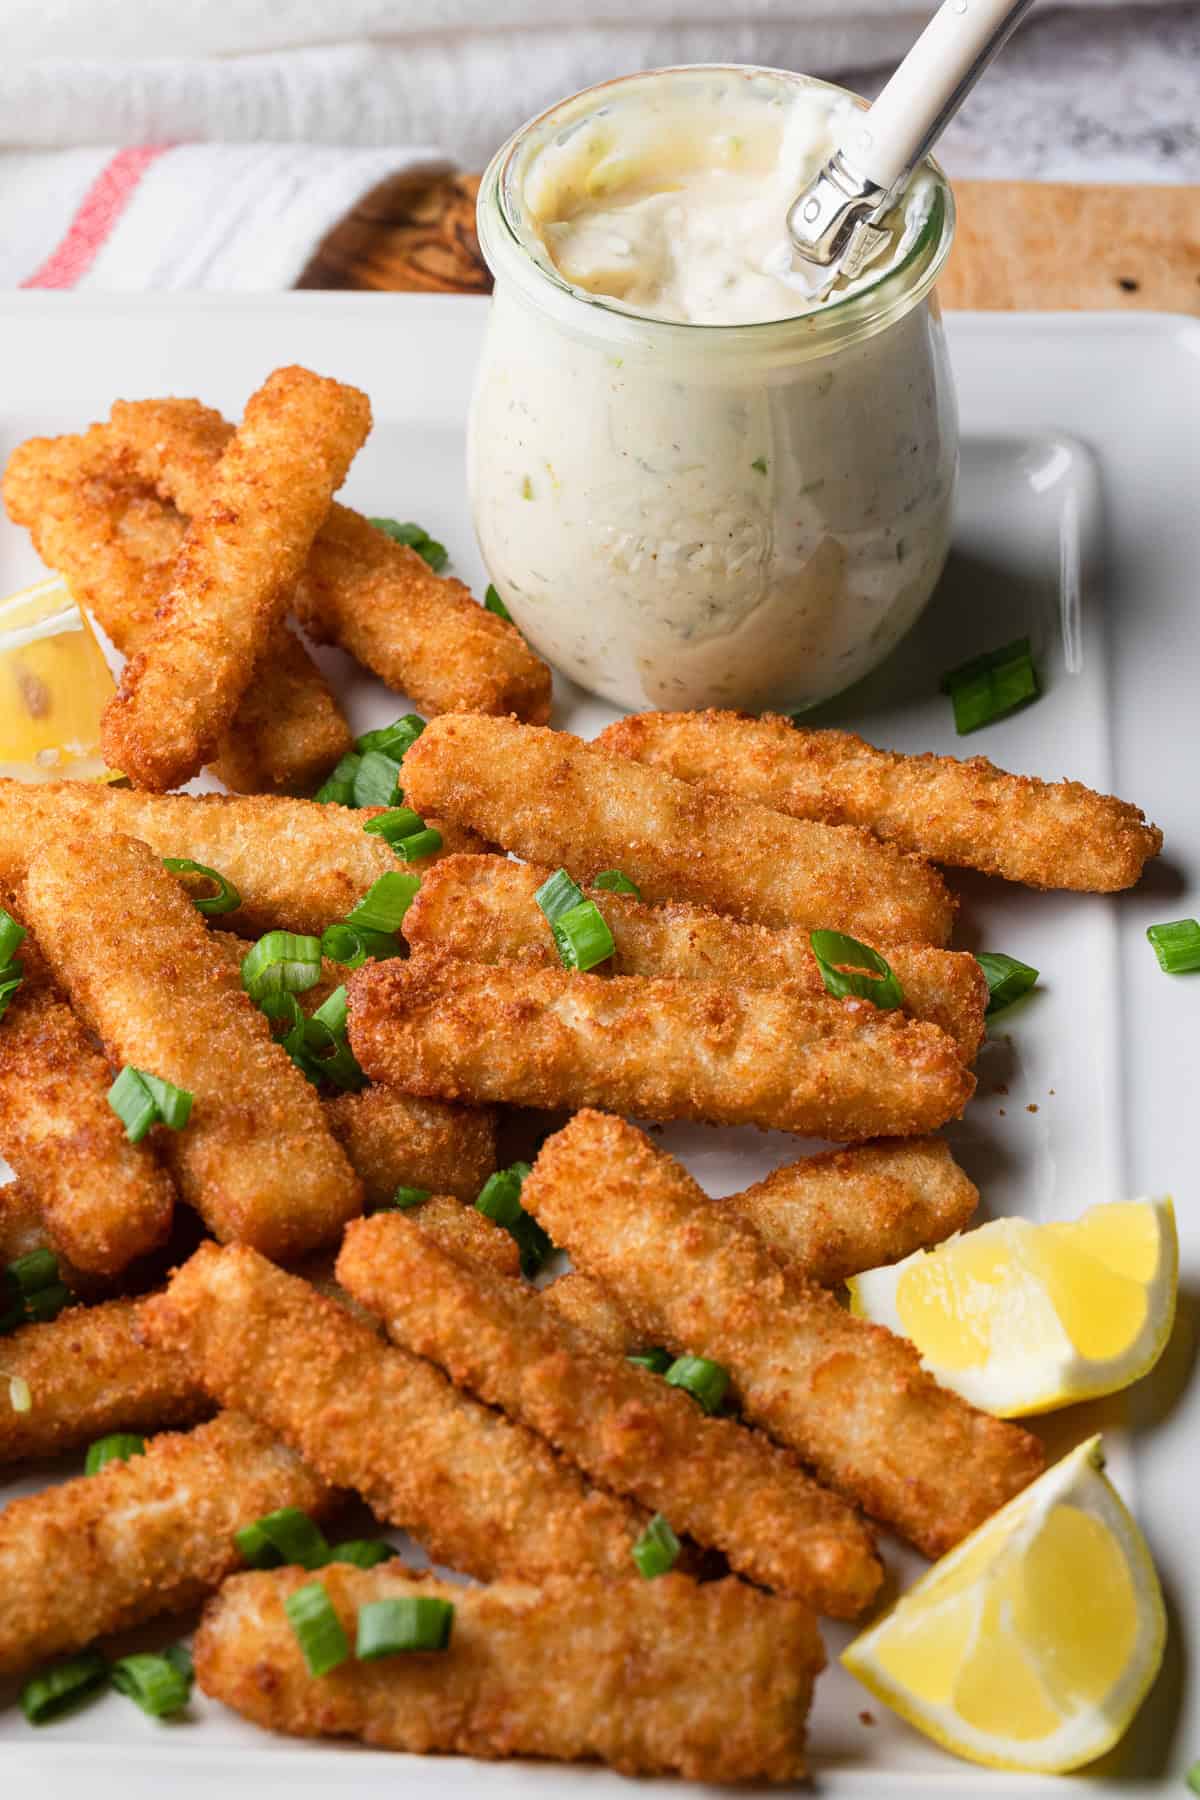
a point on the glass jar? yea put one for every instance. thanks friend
(681, 515)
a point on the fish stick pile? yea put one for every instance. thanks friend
(265, 1085)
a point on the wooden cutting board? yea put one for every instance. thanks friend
(1048, 246)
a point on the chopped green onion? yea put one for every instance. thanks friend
(383, 906)
(364, 1553)
(118, 1446)
(377, 782)
(180, 1657)
(495, 604)
(582, 937)
(398, 822)
(12, 936)
(63, 1686)
(705, 1381)
(332, 1012)
(1007, 979)
(657, 1550)
(656, 1360)
(405, 1198)
(395, 739)
(833, 949)
(47, 1303)
(11, 977)
(317, 1627)
(409, 1622)
(282, 962)
(1193, 1778)
(617, 882)
(759, 465)
(417, 538)
(19, 1396)
(12, 1304)
(286, 1536)
(226, 899)
(1177, 946)
(328, 1056)
(155, 1683)
(500, 1200)
(338, 786)
(419, 845)
(141, 1100)
(558, 894)
(991, 686)
(38, 1269)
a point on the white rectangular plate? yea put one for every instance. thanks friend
(1078, 522)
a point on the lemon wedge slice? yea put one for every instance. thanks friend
(1032, 1645)
(1020, 1318)
(54, 685)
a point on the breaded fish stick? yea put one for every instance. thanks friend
(297, 865)
(482, 908)
(728, 1488)
(841, 1069)
(420, 632)
(145, 1537)
(964, 812)
(848, 1395)
(553, 799)
(235, 574)
(104, 1201)
(88, 1374)
(256, 1158)
(709, 1681)
(394, 1141)
(481, 1494)
(94, 519)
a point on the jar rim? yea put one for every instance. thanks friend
(861, 313)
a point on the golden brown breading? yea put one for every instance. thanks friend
(451, 1030)
(237, 568)
(103, 1200)
(421, 633)
(145, 1537)
(711, 1682)
(482, 908)
(481, 1494)
(297, 865)
(396, 1141)
(553, 799)
(88, 1374)
(463, 1232)
(728, 1488)
(964, 812)
(256, 1158)
(94, 519)
(589, 1305)
(848, 1395)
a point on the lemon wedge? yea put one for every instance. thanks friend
(1032, 1645)
(1020, 1318)
(54, 685)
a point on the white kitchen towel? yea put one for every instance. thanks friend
(235, 217)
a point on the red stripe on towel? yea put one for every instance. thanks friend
(98, 212)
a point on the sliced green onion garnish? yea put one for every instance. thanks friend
(47, 1303)
(1007, 979)
(1193, 1778)
(118, 1446)
(327, 1055)
(377, 782)
(495, 604)
(582, 937)
(420, 844)
(141, 1100)
(364, 1553)
(19, 1396)
(500, 1200)
(155, 1683)
(991, 686)
(12, 936)
(282, 962)
(332, 1012)
(11, 977)
(409, 1622)
(286, 1536)
(226, 899)
(39, 1269)
(317, 1627)
(656, 1360)
(383, 906)
(338, 785)
(657, 1550)
(417, 538)
(1177, 946)
(558, 894)
(617, 882)
(399, 822)
(705, 1381)
(180, 1657)
(833, 948)
(56, 1690)
(395, 739)
(405, 1198)
(350, 945)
